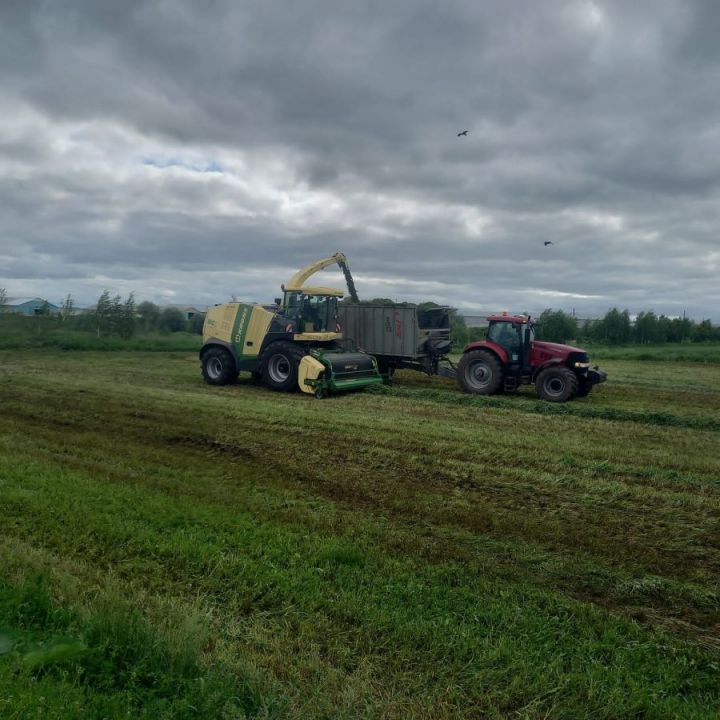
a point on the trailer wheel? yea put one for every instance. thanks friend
(556, 384)
(480, 372)
(280, 364)
(385, 368)
(218, 366)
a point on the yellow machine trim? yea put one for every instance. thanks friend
(316, 290)
(317, 336)
(297, 280)
(309, 369)
(256, 330)
(219, 322)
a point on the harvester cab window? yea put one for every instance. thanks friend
(292, 304)
(313, 313)
(310, 315)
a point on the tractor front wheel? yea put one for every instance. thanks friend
(556, 384)
(280, 366)
(480, 372)
(218, 366)
(584, 388)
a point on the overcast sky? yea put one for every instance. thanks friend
(192, 151)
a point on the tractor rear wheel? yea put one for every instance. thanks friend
(480, 372)
(556, 384)
(280, 364)
(218, 366)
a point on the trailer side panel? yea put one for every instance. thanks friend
(382, 329)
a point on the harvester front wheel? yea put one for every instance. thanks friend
(218, 366)
(280, 366)
(480, 372)
(556, 384)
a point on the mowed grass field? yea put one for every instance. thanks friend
(172, 550)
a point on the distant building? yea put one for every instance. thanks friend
(28, 306)
(189, 312)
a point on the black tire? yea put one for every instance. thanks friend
(385, 368)
(218, 366)
(279, 366)
(480, 372)
(556, 384)
(584, 388)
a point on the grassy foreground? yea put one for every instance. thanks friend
(171, 550)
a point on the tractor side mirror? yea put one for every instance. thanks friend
(278, 301)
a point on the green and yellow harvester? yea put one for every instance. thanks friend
(295, 344)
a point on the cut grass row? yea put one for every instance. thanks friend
(370, 555)
(662, 352)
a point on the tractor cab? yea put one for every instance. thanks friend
(514, 334)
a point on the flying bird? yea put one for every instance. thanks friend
(464, 132)
(547, 242)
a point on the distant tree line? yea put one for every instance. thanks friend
(124, 318)
(616, 328)
(115, 316)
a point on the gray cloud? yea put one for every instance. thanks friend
(191, 152)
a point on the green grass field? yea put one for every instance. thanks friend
(172, 550)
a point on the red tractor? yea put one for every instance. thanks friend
(510, 356)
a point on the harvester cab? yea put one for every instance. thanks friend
(295, 344)
(313, 311)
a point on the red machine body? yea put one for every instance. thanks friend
(510, 356)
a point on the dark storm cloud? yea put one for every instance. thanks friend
(332, 125)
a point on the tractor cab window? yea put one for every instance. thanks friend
(313, 313)
(506, 334)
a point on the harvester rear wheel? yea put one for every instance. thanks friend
(280, 364)
(556, 384)
(218, 366)
(480, 372)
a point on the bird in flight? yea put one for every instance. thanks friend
(464, 132)
(547, 242)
